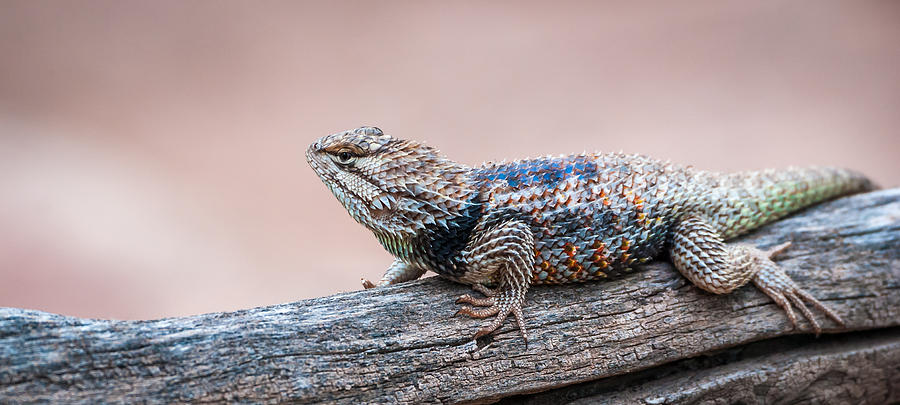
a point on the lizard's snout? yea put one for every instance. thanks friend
(315, 147)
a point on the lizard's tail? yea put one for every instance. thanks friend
(761, 197)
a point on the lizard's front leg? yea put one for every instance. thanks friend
(397, 273)
(701, 255)
(504, 253)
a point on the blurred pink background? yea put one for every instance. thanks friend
(151, 153)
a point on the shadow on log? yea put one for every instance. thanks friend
(649, 338)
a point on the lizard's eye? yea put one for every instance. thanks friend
(345, 157)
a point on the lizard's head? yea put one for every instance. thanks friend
(392, 186)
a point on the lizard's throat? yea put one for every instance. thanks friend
(434, 241)
(397, 245)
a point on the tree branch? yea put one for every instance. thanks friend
(400, 344)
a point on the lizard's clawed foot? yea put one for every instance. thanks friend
(501, 304)
(698, 252)
(367, 284)
(498, 321)
(773, 281)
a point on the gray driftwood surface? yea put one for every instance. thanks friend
(648, 338)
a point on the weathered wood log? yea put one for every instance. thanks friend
(401, 343)
(849, 368)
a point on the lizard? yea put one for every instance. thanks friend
(503, 227)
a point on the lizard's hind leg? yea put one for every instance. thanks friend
(503, 253)
(701, 255)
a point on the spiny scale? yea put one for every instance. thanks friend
(564, 219)
(592, 216)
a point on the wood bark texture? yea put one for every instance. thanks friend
(650, 337)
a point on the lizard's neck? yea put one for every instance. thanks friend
(432, 207)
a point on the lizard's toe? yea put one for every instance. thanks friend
(820, 306)
(478, 313)
(502, 305)
(520, 322)
(491, 327)
(498, 321)
(484, 290)
(478, 302)
(806, 312)
(777, 250)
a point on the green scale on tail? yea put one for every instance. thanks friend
(740, 202)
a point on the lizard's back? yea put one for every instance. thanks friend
(595, 215)
(592, 216)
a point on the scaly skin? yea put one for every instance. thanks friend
(504, 227)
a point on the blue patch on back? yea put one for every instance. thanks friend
(588, 170)
(548, 172)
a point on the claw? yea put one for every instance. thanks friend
(367, 284)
